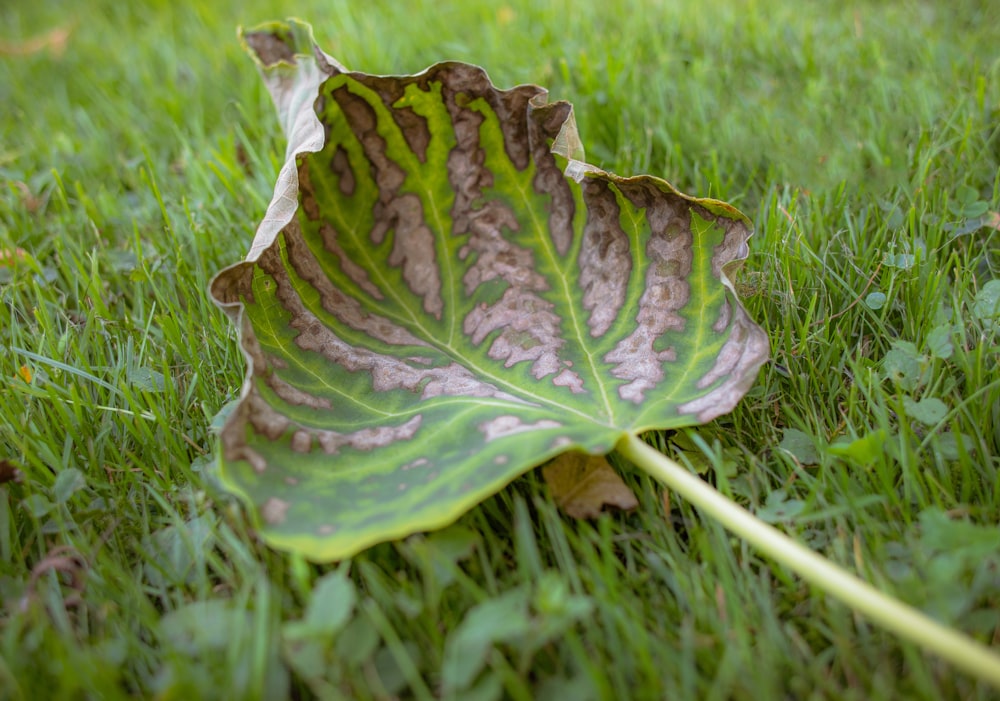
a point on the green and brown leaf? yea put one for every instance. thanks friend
(443, 295)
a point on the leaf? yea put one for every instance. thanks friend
(176, 554)
(330, 607)
(928, 411)
(778, 507)
(357, 642)
(68, 482)
(987, 304)
(903, 261)
(202, 625)
(939, 341)
(147, 380)
(525, 620)
(903, 364)
(38, 505)
(799, 445)
(863, 450)
(501, 619)
(431, 306)
(582, 485)
(438, 554)
(875, 300)
(952, 446)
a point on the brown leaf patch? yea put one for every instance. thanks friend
(583, 485)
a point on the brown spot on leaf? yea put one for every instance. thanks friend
(256, 460)
(301, 442)
(307, 195)
(414, 129)
(295, 396)
(402, 213)
(270, 47)
(414, 250)
(419, 462)
(725, 315)
(735, 369)
(668, 263)
(605, 257)
(519, 314)
(340, 164)
(368, 438)
(274, 511)
(388, 372)
(503, 426)
(568, 378)
(733, 248)
(333, 299)
(264, 418)
(545, 125)
(361, 118)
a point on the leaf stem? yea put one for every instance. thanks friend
(907, 622)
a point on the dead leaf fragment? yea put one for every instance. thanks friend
(32, 202)
(63, 559)
(10, 258)
(583, 485)
(8, 472)
(54, 41)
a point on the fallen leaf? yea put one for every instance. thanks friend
(583, 485)
(443, 295)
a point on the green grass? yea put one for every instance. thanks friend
(864, 140)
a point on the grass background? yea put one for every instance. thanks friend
(138, 149)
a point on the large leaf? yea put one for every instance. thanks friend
(431, 306)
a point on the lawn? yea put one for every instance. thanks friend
(138, 151)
